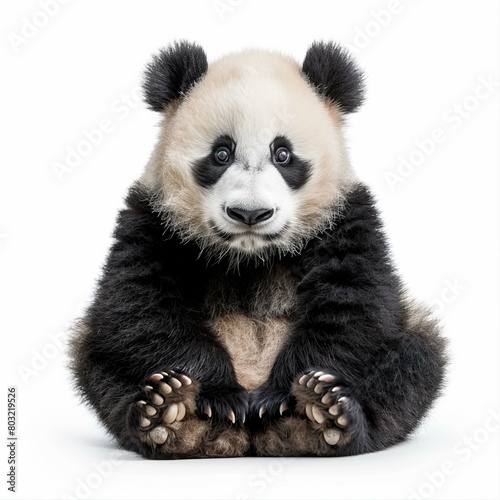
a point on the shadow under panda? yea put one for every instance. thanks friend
(249, 304)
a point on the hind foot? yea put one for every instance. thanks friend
(165, 420)
(326, 420)
(328, 406)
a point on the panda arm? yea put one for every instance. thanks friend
(146, 317)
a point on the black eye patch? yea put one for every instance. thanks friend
(294, 170)
(209, 169)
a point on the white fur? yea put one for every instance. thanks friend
(257, 186)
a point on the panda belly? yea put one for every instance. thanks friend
(251, 318)
(253, 344)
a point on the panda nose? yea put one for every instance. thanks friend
(250, 217)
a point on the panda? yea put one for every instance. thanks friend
(249, 304)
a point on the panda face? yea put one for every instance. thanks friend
(249, 200)
(250, 183)
(252, 160)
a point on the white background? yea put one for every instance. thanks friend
(77, 69)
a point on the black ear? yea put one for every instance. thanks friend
(335, 75)
(172, 72)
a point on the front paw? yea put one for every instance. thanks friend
(223, 405)
(268, 402)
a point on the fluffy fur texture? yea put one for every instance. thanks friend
(172, 73)
(293, 336)
(335, 75)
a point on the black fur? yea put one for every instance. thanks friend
(298, 171)
(206, 170)
(351, 318)
(334, 75)
(172, 73)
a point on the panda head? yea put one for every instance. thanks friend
(250, 158)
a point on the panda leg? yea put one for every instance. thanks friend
(170, 414)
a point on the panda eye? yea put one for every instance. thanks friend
(222, 155)
(282, 156)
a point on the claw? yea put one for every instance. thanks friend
(262, 411)
(156, 377)
(283, 408)
(318, 374)
(343, 399)
(141, 403)
(208, 411)
(232, 416)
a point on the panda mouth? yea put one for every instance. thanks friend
(227, 236)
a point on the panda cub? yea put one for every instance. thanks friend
(249, 305)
